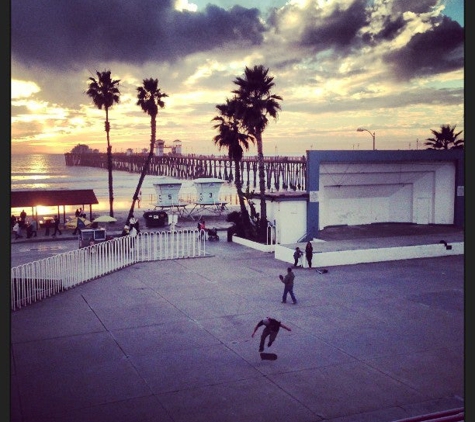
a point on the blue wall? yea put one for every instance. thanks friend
(316, 157)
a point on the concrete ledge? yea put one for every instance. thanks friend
(254, 245)
(359, 256)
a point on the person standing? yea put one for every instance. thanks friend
(17, 230)
(34, 227)
(271, 329)
(134, 223)
(288, 281)
(297, 255)
(202, 228)
(22, 218)
(56, 226)
(309, 253)
(47, 225)
(139, 198)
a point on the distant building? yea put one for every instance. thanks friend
(370, 187)
(160, 146)
(176, 148)
(82, 149)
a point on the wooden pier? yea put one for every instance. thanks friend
(282, 173)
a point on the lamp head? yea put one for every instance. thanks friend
(360, 129)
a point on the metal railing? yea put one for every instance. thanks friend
(38, 280)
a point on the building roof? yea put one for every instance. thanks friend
(33, 198)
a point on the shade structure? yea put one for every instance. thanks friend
(73, 223)
(104, 219)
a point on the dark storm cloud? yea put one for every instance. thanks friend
(391, 28)
(337, 31)
(436, 51)
(63, 34)
(345, 31)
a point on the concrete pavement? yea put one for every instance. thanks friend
(171, 341)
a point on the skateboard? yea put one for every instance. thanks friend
(268, 356)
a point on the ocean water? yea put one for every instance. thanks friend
(49, 172)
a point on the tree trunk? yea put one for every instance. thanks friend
(245, 220)
(139, 184)
(144, 168)
(262, 189)
(111, 193)
(109, 166)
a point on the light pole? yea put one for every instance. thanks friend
(373, 135)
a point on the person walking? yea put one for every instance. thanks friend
(288, 281)
(56, 226)
(271, 329)
(31, 229)
(297, 255)
(309, 253)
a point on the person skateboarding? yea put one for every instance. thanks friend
(271, 329)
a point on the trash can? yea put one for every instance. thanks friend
(155, 218)
(230, 233)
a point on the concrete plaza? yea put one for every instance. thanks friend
(170, 341)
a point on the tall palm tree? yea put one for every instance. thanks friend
(231, 136)
(445, 139)
(256, 103)
(105, 93)
(150, 97)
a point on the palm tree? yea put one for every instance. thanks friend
(445, 139)
(231, 136)
(150, 97)
(105, 93)
(256, 103)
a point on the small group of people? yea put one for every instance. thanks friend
(272, 325)
(308, 255)
(22, 223)
(80, 213)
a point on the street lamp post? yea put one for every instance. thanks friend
(373, 135)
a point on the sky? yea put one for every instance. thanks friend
(394, 68)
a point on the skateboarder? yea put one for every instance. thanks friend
(271, 328)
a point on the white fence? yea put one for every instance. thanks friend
(40, 279)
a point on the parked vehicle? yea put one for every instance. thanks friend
(44, 220)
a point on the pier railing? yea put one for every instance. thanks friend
(281, 173)
(38, 280)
